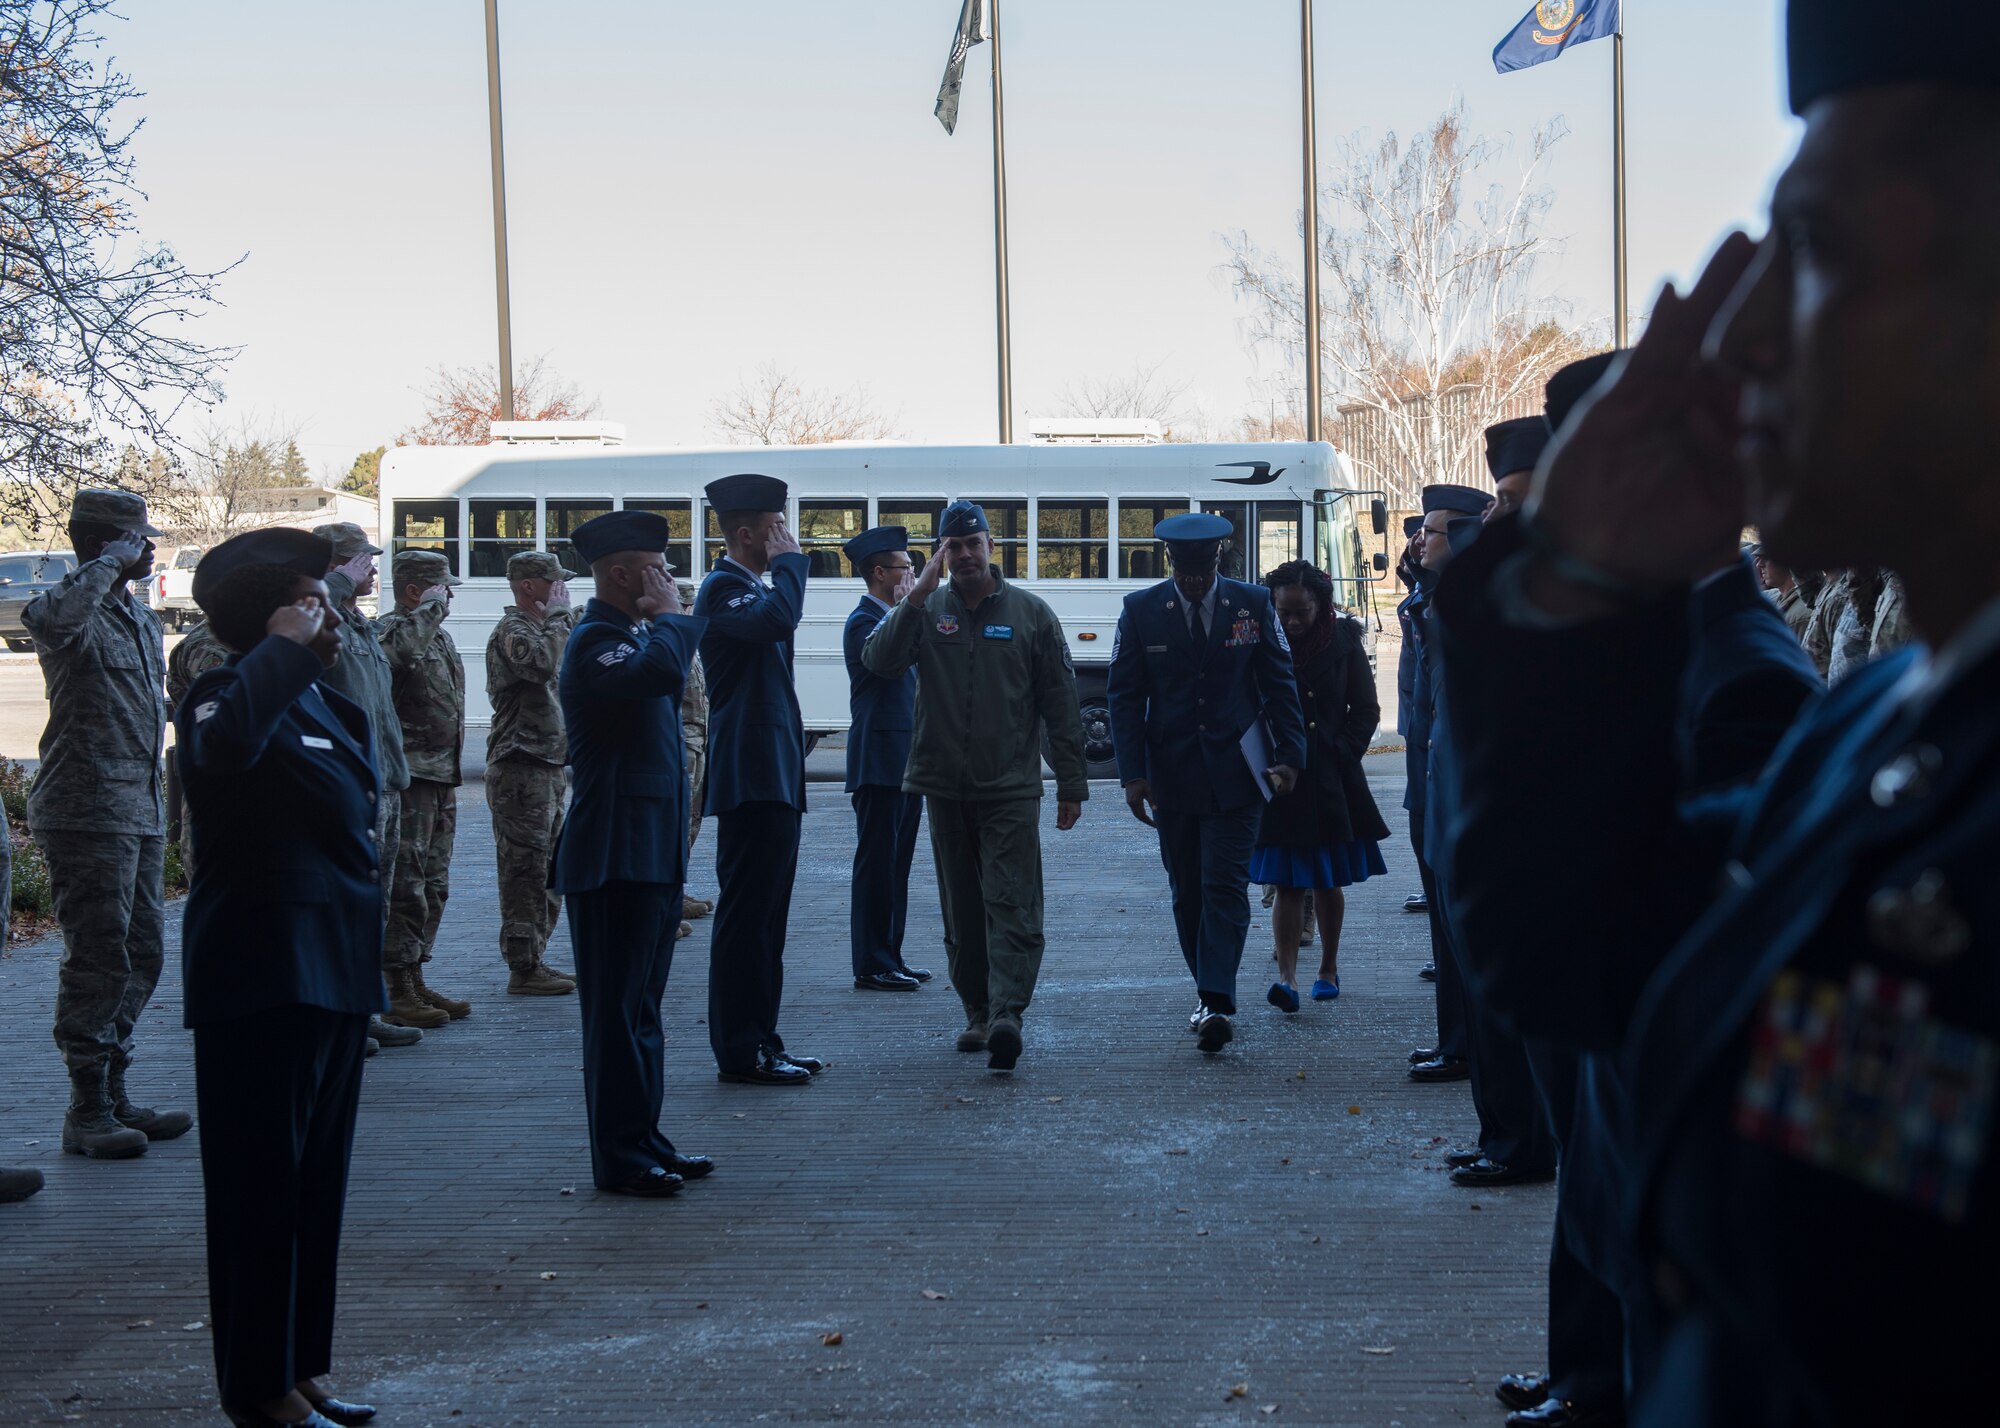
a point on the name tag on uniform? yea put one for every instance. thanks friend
(999, 632)
(313, 741)
(1156, 649)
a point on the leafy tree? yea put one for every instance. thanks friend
(364, 477)
(462, 403)
(292, 469)
(93, 326)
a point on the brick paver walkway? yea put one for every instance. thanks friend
(1120, 1232)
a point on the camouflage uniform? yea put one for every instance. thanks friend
(428, 688)
(97, 812)
(198, 652)
(1824, 627)
(1892, 628)
(694, 738)
(525, 754)
(363, 675)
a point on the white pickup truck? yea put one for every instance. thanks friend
(170, 589)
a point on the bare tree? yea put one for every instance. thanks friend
(1431, 325)
(462, 403)
(92, 335)
(227, 470)
(1141, 393)
(771, 409)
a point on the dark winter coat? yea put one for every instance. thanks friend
(1332, 804)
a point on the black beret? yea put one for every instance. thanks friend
(1832, 46)
(1411, 525)
(298, 550)
(962, 518)
(877, 540)
(1515, 445)
(1571, 384)
(746, 492)
(1465, 500)
(619, 530)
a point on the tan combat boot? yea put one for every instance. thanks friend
(452, 1007)
(538, 981)
(695, 907)
(406, 1008)
(89, 1128)
(154, 1125)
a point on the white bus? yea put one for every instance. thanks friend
(1074, 524)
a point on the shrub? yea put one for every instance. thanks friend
(177, 878)
(31, 879)
(14, 782)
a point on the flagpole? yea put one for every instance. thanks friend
(1618, 274)
(499, 209)
(1311, 224)
(1000, 238)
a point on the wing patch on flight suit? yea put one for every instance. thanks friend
(1859, 1081)
(947, 624)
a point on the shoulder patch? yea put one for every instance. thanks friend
(617, 654)
(204, 712)
(746, 598)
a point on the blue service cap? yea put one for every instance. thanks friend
(876, 540)
(746, 491)
(1465, 500)
(288, 546)
(1461, 531)
(619, 530)
(1515, 445)
(1192, 528)
(1571, 385)
(962, 518)
(1411, 525)
(1832, 46)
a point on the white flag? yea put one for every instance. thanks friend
(974, 25)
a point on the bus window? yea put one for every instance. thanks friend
(1277, 534)
(919, 518)
(1071, 540)
(1009, 520)
(1237, 513)
(824, 526)
(1140, 557)
(565, 517)
(425, 525)
(680, 529)
(499, 529)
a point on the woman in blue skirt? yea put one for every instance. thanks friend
(1324, 834)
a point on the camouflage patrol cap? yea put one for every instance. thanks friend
(108, 506)
(349, 540)
(534, 565)
(423, 567)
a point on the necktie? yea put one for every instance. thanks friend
(1200, 636)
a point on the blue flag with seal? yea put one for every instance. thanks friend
(1552, 27)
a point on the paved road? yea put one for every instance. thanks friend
(1120, 1233)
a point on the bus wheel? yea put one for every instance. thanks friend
(1096, 712)
(812, 742)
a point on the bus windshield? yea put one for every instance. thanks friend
(1341, 551)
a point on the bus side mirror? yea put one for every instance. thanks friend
(1378, 516)
(1381, 563)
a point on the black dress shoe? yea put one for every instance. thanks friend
(251, 1418)
(1429, 971)
(922, 974)
(1425, 1053)
(886, 982)
(1561, 1413)
(1214, 1033)
(1455, 1159)
(1523, 1390)
(651, 1184)
(769, 1071)
(347, 1415)
(690, 1167)
(811, 1065)
(1444, 1068)
(1417, 902)
(1483, 1172)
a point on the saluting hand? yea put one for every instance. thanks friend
(928, 581)
(357, 569)
(1645, 484)
(779, 540)
(1068, 810)
(658, 595)
(125, 549)
(1138, 798)
(1284, 778)
(435, 592)
(905, 579)
(558, 599)
(298, 623)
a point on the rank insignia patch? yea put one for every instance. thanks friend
(617, 654)
(1861, 1082)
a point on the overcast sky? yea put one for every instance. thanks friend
(696, 187)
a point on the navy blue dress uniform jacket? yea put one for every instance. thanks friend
(883, 710)
(620, 688)
(756, 739)
(1179, 728)
(286, 904)
(1796, 977)
(1406, 662)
